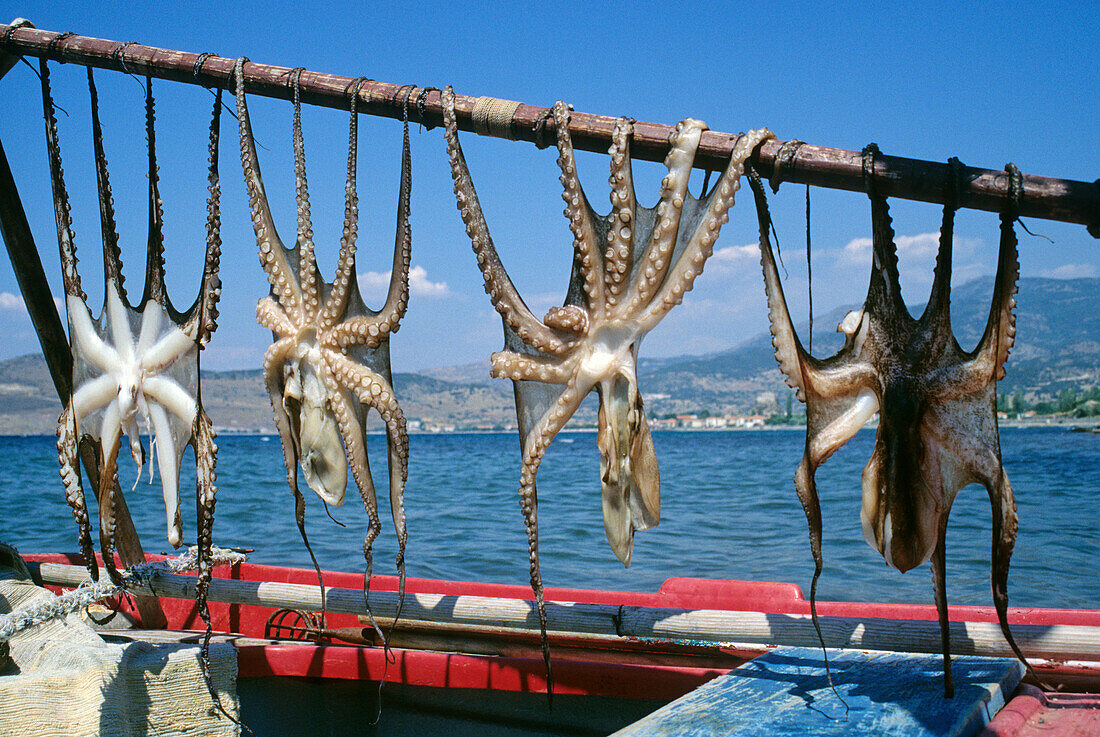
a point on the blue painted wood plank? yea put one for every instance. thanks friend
(785, 692)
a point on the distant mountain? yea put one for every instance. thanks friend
(1057, 345)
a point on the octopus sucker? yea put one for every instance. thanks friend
(936, 403)
(630, 268)
(329, 363)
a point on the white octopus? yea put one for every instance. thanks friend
(135, 365)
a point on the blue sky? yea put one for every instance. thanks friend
(991, 83)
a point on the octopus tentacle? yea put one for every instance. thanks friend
(939, 588)
(372, 390)
(830, 378)
(67, 455)
(618, 257)
(586, 245)
(1005, 525)
(498, 285)
(154, 266)
(112, 256)
(85, 340)
(108, 488)
(884, 292)
(522, 367)
(538, 440)
(355, 445)
(397, 299)
(62, 209)
(203, 315)
(271, 316)
(657, 259)
(307, 261)
(206, 451)
(169, 474)
(939, 300)
(345, 264)
(682, 274)
(362, 330)
(272, 254)
(1000, 329)
(274, 357)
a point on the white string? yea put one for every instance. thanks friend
(88, 593)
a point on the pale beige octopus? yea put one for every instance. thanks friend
(330, 360)
(632, 266)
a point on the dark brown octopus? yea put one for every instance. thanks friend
(630, 268)
(937, 429)
(330, 362)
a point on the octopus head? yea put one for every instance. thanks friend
(313, 426)
(629, 478)
(130, 403)
(901, 511)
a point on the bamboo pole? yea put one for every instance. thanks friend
(913, 179)
(740, 630)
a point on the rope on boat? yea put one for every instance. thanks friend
(89, 593)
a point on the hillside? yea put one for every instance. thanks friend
(1057, 345)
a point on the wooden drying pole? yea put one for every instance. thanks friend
(912, 179)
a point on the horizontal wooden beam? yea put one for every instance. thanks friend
(912, 179)
(738, 630)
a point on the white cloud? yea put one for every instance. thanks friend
(375, 284)
(737, 254)
(12, 302)
(922, 245)
(1070, 271)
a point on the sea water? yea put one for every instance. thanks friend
(728, 510)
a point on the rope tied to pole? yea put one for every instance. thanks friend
(493, 116)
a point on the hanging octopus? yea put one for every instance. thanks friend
(135, 363)
(330, 360)
(937, 429)
(631, 267)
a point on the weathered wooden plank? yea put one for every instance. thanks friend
(736, 628)
(785, 692)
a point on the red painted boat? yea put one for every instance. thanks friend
(453, 677)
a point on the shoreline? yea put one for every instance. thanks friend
(1079, 424)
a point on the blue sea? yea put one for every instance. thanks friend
(729, 510)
